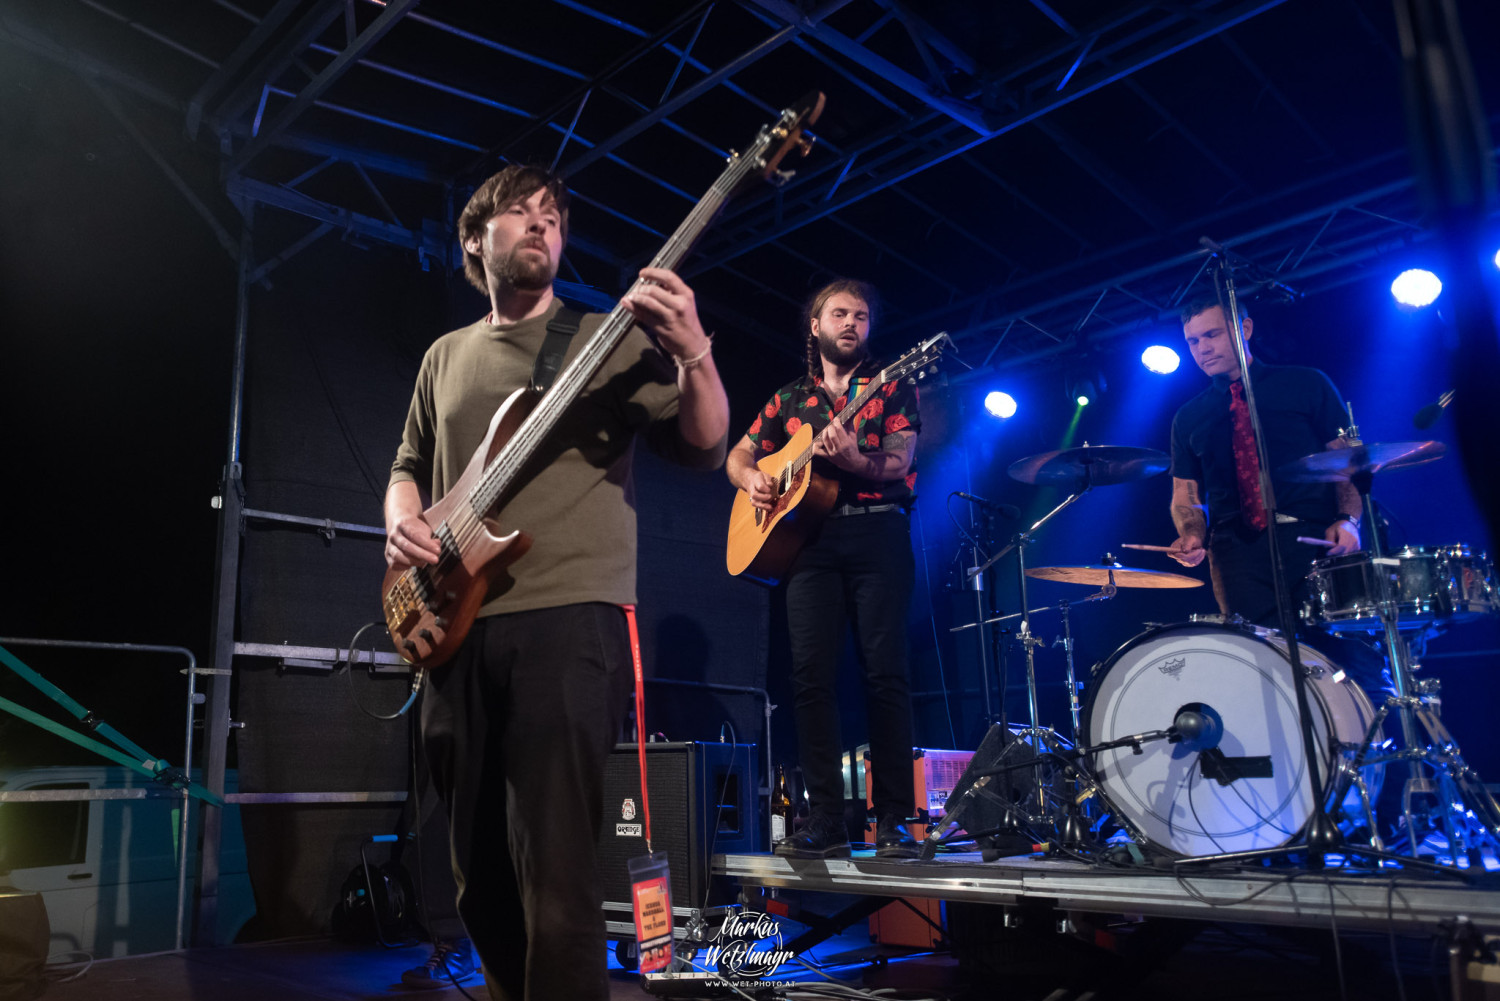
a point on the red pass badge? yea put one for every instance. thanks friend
(651, 899)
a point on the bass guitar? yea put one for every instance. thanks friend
(429, 609)
(762, 544)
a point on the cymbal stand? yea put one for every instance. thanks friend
(1455, 782)
(1024, 634)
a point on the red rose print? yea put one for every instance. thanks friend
(873, 440)
(838, 404)
(864, 496)
(812, 403)
(895, 423)
(792, 424)
(774, 407)
(911, 481)
(890, 388)
(755, 428)
(766, 446)
(872, 410)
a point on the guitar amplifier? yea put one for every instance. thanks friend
(703, 802)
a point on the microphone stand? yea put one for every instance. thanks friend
(1321, 835)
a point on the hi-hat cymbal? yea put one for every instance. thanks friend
(1340, 464)
(1098, 575)
(1096, 465)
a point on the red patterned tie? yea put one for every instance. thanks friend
(1246, 459)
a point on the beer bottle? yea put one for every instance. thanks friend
(781, 807)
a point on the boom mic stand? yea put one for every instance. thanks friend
(1320, 836)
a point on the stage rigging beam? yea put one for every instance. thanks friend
(261, 34)
(374, 32)
(956, 109)
(274, 63)
(810, 208)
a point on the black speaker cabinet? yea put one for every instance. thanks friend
(703, 802)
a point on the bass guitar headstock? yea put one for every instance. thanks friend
(762, 161)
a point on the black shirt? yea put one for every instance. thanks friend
(1300, 413)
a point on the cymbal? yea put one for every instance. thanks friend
(1340, 464)
(1099, 575)
(1099, 465)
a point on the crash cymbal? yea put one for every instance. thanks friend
(1340, 464)
(1099, 575)
(1096, 465)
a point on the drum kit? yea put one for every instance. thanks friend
(1192, 741)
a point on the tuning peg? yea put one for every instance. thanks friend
(780, 177)
(733, 156)
(805, 143)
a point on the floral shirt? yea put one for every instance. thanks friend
(892, 408)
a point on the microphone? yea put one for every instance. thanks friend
(1428, 415)
(1197, 727)
(1006, 510)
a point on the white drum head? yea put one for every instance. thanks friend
(1244, 679)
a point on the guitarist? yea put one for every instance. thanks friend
(518, 724)
(858, 568)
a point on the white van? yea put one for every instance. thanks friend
(107, 868)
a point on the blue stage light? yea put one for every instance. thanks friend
(1160, 359)
(1416, 288)
(1497, 258)
(1000, 405)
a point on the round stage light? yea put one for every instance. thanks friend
(1160, 359)
(1083, 401)
(1000, 405)
(1416, 288)
(1497, 258)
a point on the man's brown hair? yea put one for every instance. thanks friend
(863, 291)
(513, 184)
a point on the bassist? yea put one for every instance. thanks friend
(858, 568)
(517, 725)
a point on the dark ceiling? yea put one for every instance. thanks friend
(1023, 174)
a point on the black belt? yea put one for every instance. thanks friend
(845, 510)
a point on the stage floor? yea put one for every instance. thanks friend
(1372, 901)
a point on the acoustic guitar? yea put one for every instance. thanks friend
(429, 609)
(762, 544)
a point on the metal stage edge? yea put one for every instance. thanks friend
(1292, 897)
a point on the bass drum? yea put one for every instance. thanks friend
(1243, 784)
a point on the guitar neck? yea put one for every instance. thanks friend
(505, 467)
(853, 407)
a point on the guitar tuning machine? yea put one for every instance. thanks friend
(733, 156)
(780, 177)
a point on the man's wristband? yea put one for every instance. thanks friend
(1352, 519)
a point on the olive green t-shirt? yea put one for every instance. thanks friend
(575, 498)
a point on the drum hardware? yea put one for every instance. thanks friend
(1455, 783)
(1080, 469)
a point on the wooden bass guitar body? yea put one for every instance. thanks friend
(429, 609)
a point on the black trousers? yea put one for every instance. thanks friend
(1240, 566)
(858, 571)
(517, 728)
(1239, 563)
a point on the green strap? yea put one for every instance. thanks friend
(146, 768)
(134, 756)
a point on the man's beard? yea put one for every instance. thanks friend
(832, 352)
(521, 272)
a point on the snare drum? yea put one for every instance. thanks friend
(1430, 585)
(1249, 791)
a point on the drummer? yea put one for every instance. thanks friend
(1216, 502)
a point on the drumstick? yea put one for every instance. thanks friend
(1306, 540)
(1149, 549)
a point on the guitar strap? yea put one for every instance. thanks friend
(560, 330)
